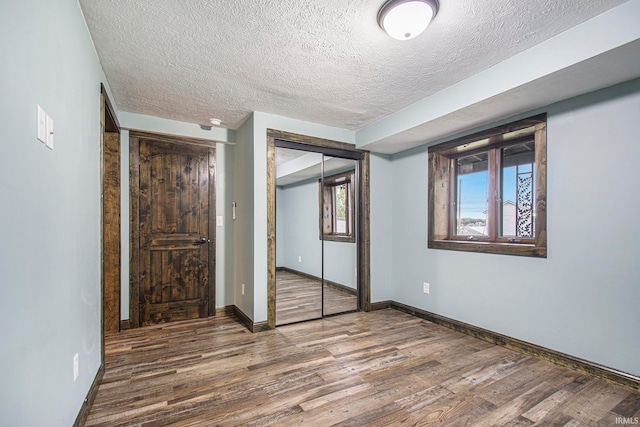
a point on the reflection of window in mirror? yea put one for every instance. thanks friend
(337, 202)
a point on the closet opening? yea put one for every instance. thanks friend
(318, 224)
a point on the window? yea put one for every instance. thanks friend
(337, 201)
(487, 191)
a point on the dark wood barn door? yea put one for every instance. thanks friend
(175, 230)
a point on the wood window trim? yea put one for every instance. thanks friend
(332, 182)
(441, 184)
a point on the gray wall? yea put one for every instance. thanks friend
(50, 216)
(583, 299)
(299, 212)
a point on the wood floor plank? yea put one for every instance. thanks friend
(383, 368)
(300, 298)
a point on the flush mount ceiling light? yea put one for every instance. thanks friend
(406, 19)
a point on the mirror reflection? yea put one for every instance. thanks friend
(338, 199)
(316, 234)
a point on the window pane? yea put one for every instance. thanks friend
(472, 182)
(518, 190)
(341, 208)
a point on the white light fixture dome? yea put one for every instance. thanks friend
(406, 19)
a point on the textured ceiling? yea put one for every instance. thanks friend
(325, 62)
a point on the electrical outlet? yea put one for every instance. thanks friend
(299, 258)
(75, 367)
(425, 287)
(242, 289)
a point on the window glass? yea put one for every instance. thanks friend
(472, 183)
(517, 192)
(341, 208)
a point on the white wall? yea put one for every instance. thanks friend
(50, 216)
(583, 299)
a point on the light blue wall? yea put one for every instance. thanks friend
(380, 227)
(243, 226)
(301, 237)
(583, 299)
(225, 188)
(280, 248)
(50, 216)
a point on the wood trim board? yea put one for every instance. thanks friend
(250, 324)
(81, 419)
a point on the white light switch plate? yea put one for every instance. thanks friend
(75, 367)
(42, 125)
(49, 132)
(219, 221)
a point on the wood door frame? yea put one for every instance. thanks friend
(364, 241)
(134, 217)
(110, 216)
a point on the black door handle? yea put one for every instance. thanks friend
(202, 241)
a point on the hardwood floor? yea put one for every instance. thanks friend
(383, 368)
(299, 298)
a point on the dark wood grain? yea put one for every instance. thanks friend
(87, 404)
(174, 215)
(134, 230)
(172, 208)
(172, 139)
(248, 322)
(312, 141)
(541, 186)
(110, 216)
(439, 195)
(271, 231)
(380, 368)
(364, 233)
(111, 231)
(211, 281)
